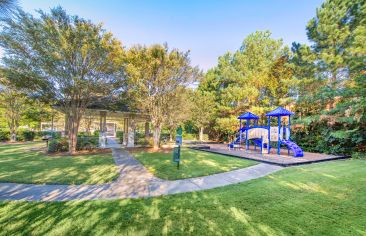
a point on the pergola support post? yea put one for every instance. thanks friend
(147, 130)
(131, 133)
(125, 131)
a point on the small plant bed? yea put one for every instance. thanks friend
(193, 163)
(23, 163)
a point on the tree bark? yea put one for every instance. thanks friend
(157, 132)
(201, 134)
(67, 124)
(13, 128)
(74, 123)
(171, 135)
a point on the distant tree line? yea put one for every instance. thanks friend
(323, 83)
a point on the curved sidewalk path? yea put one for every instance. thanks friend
(134, 182)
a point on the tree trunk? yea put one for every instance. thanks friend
(201, 134)
(13, 136)
(157, 131)
(52, 122)
(72, 141)
(67, 124)
(171, 136)
(74, 123)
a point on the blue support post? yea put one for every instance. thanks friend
(246, 135)
(240, 133)
(279, 136)
(261, 145)
(289, 127)
(269, 133)
(289, 133)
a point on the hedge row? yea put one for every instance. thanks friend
(83, 143)
(21, 135)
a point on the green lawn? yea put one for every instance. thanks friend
(319, 199)
(20, 164)
(193, 163)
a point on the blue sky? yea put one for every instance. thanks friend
(208, 28)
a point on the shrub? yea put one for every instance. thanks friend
(119, 135)
(4, 135)
(144, 141)
(358, 155)
(83, 134)
(26, 135)
(87, 143)
(96, 133)
(187, 136)
(58, 145)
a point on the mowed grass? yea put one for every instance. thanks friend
(193, 163)
(319, 199)
(22, 163)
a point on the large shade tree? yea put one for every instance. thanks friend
(64, 59)
(155, 74)
(7, 7)
(12, 106)
(203, 110)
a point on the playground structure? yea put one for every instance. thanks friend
(263, 136)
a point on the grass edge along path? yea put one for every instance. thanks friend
(193, 163)
(317, 199)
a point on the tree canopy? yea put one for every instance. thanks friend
(154, 76)
(64, 59)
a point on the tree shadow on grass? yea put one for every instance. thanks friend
(266, 206)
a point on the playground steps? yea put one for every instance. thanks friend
(297, 151)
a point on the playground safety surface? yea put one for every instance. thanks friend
(273, 158)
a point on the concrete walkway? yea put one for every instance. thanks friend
(134, 182)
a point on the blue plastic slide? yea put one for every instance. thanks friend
(296, 150)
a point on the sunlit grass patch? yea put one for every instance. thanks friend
(193, 163)
(25, 163)
(266, 206)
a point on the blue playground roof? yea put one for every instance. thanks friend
(248, 116)
(280, 111)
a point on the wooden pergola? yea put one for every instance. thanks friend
(103, 109)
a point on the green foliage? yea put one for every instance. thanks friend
(155, 75)
(83, 143)
(119, 135)
(96, 133)
(4, 135)
(87, 143)
(256, 77)
(359, 155)
(324, 83)
(73, 67)
(25, 135)
(58, 145)
(333, 102)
